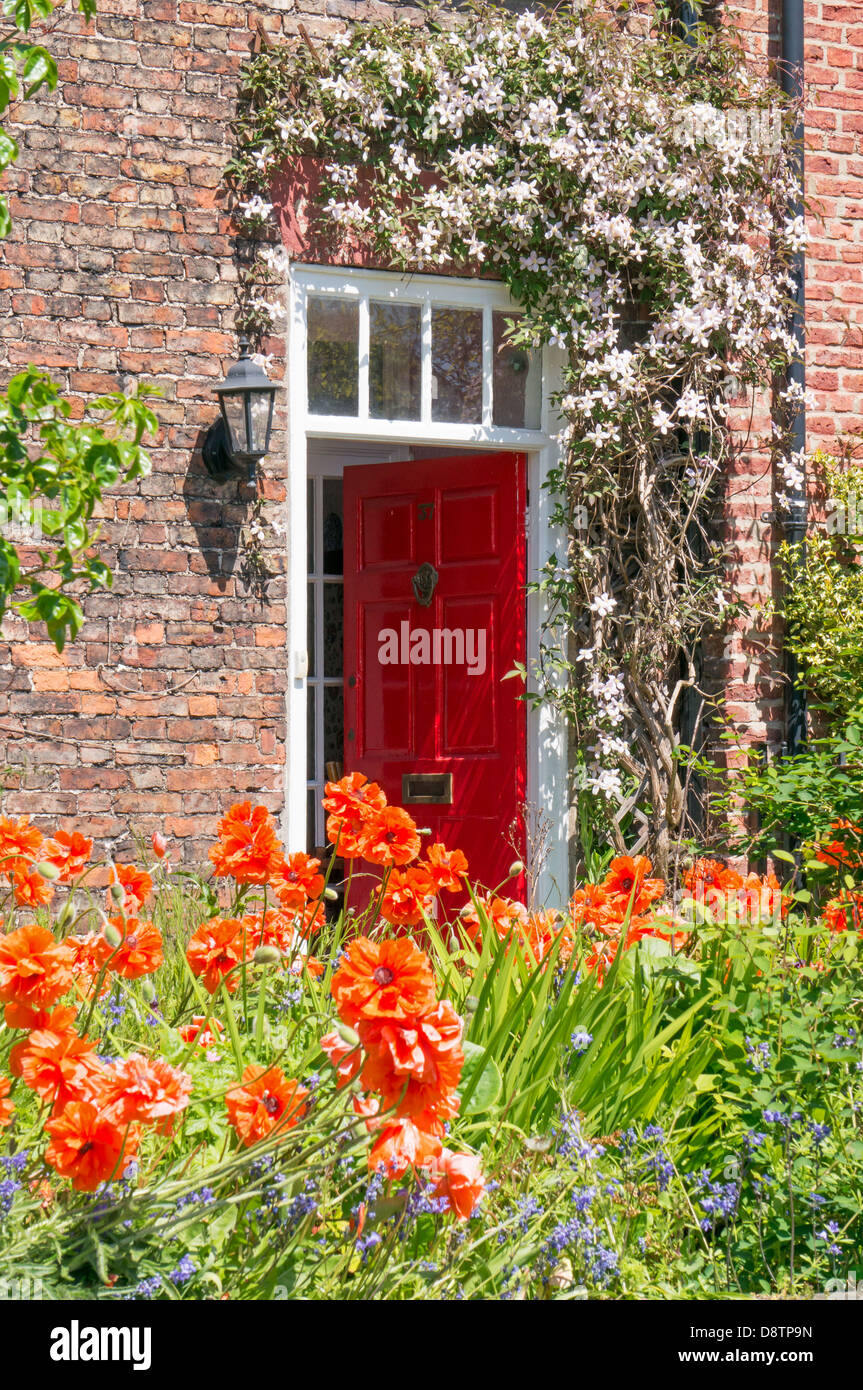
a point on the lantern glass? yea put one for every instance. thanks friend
(235, 418)
(261, 418)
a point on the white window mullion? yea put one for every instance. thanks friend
(426, 362)
(487, 366)
(319, 631)
(363, 404)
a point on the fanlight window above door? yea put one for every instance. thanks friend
(414, 357)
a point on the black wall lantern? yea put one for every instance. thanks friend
(241, 435)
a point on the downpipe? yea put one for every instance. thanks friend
(792, 80)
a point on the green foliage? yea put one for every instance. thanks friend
(823, 604)
(52, 475)
(692, 1127)
(797, 798)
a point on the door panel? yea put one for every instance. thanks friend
(423, 689)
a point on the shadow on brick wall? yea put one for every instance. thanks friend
(217, 513)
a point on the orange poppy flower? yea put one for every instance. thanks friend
(69, 852)
(296, 880)
(599, 958)
(159, 844)
(266, 1101)
(353, 794)
(712, 875)
(410, 893)
(137, 886)
(461, 1182)
(590, 905)
(447, 867)
(401, 1145)
(505, 914)
(140, 952)
(313, 918)
(31, 889)
(248, 849)
(200, 1031)
(350, 804)
(539, 935)
(7, 1107)
(147, 1089)
(627, 873)
(844, 912)
(59, 1020)
(34, 968)
(416, 1064)
(389, 838)
(88, 956)
(382, 980)
(88, 1146)
(367, 1108)
(58, 1066)
(20, 844)
(216, 949)
(837, 852)
(344, 1056)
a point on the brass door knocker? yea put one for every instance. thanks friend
(424, 584)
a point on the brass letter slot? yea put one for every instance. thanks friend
(427, 787)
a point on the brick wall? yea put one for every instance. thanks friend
(743, 663)
(122, 267)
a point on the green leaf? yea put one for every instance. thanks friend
(8, 149)
(481, 1072)
(39, 68)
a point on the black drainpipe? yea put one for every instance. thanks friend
(792, 71)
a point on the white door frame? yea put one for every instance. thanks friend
(546, 733)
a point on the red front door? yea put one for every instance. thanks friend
(434, 618)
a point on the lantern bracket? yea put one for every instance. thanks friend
(218, 461)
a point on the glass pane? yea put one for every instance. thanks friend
(310, 526)
(311, 817)
(516, 380)
(311, 697)
(333, 560)
(234, 410)
(333, 594)
(334, 724)
(394, 361)
(457, 365)
(311, 625)
(333, 356)
(262, 410)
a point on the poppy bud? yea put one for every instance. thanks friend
(516, 868)
(117, 892)
(47, 870)
(267, 955)
(159, 843)
(331, 895)
(112, 936)
(148, 993)
(348, 1035)
(424, 830)
(471, 1004)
